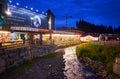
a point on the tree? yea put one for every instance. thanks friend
(89, 27)
(109, 29)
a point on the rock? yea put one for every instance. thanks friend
(50, 65)
(98, 68)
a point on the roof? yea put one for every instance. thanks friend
(91, 34)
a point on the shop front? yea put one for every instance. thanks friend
(62, 38)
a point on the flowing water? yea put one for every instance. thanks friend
(73, 68)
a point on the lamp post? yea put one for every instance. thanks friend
(67, 17)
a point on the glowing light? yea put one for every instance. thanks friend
(17, 3)
(37, 10)
(89, 38)
(4, 32)
(10, 1)
(49, 22)
(31, 8)
(26, 6)
(43, 12)
(31, 18)
(8, 12)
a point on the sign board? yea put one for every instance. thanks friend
(21, 16)
(16, 28)
(63, 32)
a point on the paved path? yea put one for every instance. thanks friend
(73, 68)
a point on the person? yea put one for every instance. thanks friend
(23, 40)
(0, 44)
(2, 67)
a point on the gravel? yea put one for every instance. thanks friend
(43, 68)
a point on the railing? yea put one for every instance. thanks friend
(13, 44)
(107, 43)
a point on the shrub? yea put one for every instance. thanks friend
(103, 54)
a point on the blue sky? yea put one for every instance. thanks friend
(106, 12)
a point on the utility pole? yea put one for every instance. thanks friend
(66, 18)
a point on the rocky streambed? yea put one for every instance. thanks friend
(98, 68)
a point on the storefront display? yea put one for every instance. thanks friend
(4, 36)
(62, 39)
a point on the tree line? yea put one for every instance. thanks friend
(85, 26)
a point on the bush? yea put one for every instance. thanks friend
(103, 54)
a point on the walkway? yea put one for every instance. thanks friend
(73, 68)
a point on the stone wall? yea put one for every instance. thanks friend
(116, 66)
(12, 57)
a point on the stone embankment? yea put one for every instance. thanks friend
(98, 68)
(11, 57)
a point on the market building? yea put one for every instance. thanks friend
(22, 25)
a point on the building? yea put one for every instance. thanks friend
(89, 37)
(3, 8)
(17, 24)
(51, 18)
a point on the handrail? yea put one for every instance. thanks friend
(13, 44)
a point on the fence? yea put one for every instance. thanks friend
(107, 43)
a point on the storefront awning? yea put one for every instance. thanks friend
(44, 31)
(23, 29)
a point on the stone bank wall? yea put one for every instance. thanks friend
(116, 66)
(11, 57)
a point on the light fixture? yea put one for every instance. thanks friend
(17, 3)
(8, 12)
(31, 8)
(26, 6)
(31, 18)
(43, 12)
(37, 10)
(10, 1)
(4, 32)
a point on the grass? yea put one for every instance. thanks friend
(104, 54)
(27, 64)
(53, 54)
(16, 69)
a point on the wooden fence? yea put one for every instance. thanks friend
(107, 43)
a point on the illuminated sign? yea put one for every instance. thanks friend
(24, 29)
(21, 16)
(36, 21)
(63, 32)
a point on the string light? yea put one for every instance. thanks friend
(10, 1)
(37, 10)
(26, 6)
(17, 3)
(31, 8)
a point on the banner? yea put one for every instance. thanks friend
(21, 16)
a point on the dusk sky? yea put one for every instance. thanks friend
(106, 12)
